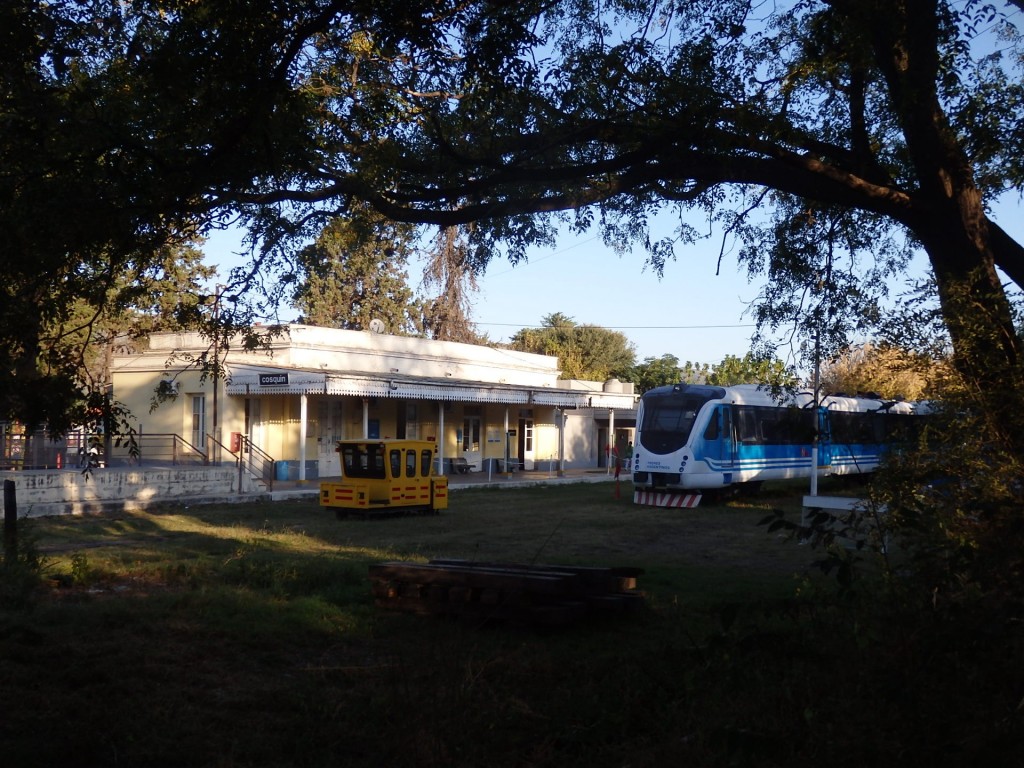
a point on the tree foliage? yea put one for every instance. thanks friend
(889, 372)
(447, 315)
(751, 369)
(583, 351)
(119, 124)
(856, 123)
(731, 370)
(956, 512)
(827, 137)
(355, 272)
(823, 136)
(658, 372)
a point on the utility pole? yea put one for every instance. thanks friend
(816, 385)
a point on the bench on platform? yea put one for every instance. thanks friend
(462, 466)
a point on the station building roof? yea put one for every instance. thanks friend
(302, 359)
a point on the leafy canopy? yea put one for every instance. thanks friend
(584, 351)
(355, 272)
(823, 137)
(750, 369)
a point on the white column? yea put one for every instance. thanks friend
(440, 437)
(303, 418)
(507, 450)
(611, 440)
(366, 418)
(560, 415)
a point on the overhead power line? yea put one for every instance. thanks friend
(619, 327)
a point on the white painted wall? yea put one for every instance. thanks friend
(56, 492)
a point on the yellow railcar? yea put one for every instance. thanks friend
(386, 476)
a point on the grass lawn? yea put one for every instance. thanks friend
(246, 635)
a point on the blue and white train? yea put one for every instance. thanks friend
(693, 438)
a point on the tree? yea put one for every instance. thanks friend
(751, 369)
(854, 123)
(165, 298)
(583, 351)
(119, 125)
(447, 315)
(890, 372)
(356, 272)
(661, 371)
(859, 122)
(655, 372)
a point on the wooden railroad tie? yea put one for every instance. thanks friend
(545, 594)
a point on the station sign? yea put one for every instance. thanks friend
(273, 379)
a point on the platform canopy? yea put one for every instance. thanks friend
(289, 381)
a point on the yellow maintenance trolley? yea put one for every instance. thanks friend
(386, 476)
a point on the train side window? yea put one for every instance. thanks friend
(795, 426)
(849, 428)
(410, 463)
(746, 418)
(879, 426)
(396, 463)
(426, 459)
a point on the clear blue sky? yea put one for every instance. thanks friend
(690, 312)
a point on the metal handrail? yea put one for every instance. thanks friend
(252, 453)
(245, 459)
(236, 458)
(152, 447)
(213, 441)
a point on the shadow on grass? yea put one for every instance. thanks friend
(247, 636)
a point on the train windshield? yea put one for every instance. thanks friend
(668, 420)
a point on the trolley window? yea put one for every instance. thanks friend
(363, 461)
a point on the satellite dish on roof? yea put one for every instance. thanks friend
(376, 325)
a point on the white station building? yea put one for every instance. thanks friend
(496, 409)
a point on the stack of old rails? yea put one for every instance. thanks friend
(532, 593)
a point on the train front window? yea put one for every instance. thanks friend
(672, 419)
(668, 421)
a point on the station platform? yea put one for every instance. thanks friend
(521, 479)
